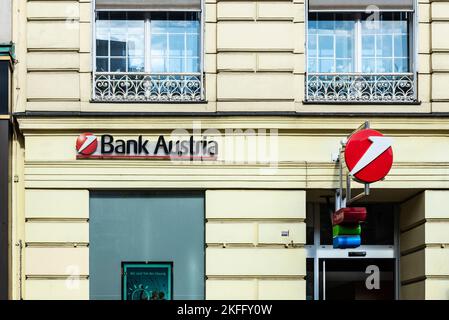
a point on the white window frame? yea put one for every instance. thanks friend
(357, 43)
(414, 56)
(201, 35)
(147, 47)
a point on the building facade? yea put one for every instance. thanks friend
(243, 105)
(6, 131)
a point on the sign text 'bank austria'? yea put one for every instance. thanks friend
(106, 146)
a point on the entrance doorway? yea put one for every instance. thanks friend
(369, 272)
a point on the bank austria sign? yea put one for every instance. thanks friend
(106, 146)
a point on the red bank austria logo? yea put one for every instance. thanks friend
(86, 144)
(369, 155)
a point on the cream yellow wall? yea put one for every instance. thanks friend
(254, 53)
(424, 242)
(55, 258)
(246, 256)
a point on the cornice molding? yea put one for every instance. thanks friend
(305, 124)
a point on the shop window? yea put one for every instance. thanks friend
(146, 246)
(360, 54)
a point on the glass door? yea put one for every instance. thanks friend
(357, 279)
(367, 272)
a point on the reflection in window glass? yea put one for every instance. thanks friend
(335, 42)
(330, 43)
(119, 45)
(389, 36)
(172, 44)
(175, 44)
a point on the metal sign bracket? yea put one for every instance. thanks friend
(344, 197)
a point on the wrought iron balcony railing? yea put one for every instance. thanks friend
(359, 87)
(147, 87)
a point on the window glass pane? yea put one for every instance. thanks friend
(102, 47)
(384, 65)
(176, 65)
(401, 65)
(325, 46)
(311, 47)
(147, 224)
(136, 27)
(312, 23)
(177, 22)
(312, 65)
(158, 64)
(387, 41)
(118, 46)
(102, 26)
(369, 65)
(120, 34)
(193, 45)
(192, 26)
(368, 45)
(102, 65)
(326, 65)
(159, 45)
(325, 25)
(118, 27)
(176, 43)
(343, 24)
(192, 65)
(118, 65)
(343, 65)
(136, 64)
(136, 44)
(344, 47)
(400, 46)
(335, 41)
(384, 46)
(159, 22)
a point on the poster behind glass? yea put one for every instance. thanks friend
(147, 280)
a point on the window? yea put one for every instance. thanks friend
(343, 43)
(354, 56)
(148, 51)
(159, 42)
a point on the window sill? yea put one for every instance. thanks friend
(362, 103)
(148, 102)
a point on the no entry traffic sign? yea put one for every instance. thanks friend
(368, 155)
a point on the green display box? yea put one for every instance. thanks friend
(346, 230)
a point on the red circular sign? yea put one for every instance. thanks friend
(86, 143)
(368, 155)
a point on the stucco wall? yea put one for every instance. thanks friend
(254, 54)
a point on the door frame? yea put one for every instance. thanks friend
(318, 251)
